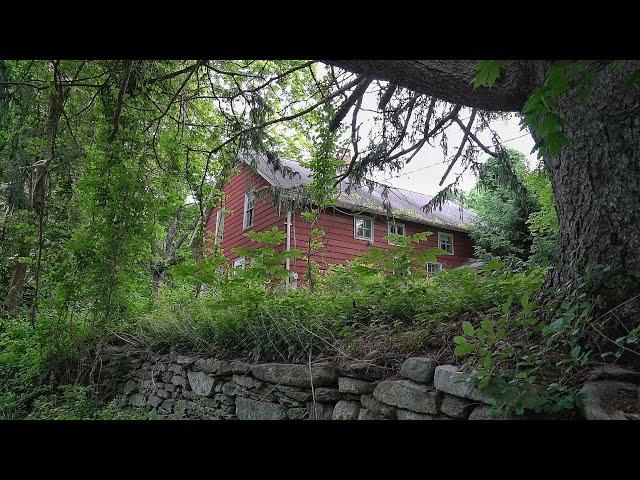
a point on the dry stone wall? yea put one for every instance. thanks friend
(182, 386)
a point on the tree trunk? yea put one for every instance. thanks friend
(18, 278)
(596, 181)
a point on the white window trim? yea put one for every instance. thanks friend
(391, 223)
(373, 227)
(439, 264)
(246, 226)
(219, 235)
(238, 262)
(449, 235)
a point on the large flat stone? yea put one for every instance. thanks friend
(131, 387)
(456, 407)
(449, 379)
(247, 409)
(324, 374)
(345, 410)
(376, 408)
(213, 366)
(319, 411)
(409, 415)
(481, 412)
(355, 386)
(614, 373)
(184, 360)
(595, 402)
(365, 371)
(240, 368)
(297, 413)
(247, 382)
(297, 394)
(418, 369)
(408, 395)
(201, 383)
(326, 394)
(137, 400)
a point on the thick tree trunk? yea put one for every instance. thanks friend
(596, 180)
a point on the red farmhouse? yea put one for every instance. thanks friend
(356, 223)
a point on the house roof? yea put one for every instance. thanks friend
(405, 204)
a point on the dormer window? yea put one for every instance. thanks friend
(363, 227)
(445, 242)
(249, 201)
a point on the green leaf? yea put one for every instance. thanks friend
(459, 340)
(463, 349)
(467, 328)
(488, 72)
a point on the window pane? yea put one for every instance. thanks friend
(364, 227)
(445, 242)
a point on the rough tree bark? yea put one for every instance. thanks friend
(596, 178)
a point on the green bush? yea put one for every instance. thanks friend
(246, 317)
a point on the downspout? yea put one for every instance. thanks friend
(287, 261)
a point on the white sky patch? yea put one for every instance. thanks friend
(425, 170)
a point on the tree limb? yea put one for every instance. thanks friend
(467, 131)
(363, 84)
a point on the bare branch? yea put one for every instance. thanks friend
(363, 84)
(467, 131)
(474, 138)
(387, 96)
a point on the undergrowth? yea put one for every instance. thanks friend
(382, 307)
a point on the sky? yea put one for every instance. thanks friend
(425, 170)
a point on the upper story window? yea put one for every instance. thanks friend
(219, 226)
(363, 227)
(249, 201)
(395, 228)
(445, 242)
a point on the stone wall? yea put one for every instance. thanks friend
(206, 388)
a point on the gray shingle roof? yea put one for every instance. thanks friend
(405, 204)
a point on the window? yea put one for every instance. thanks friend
(249, 200)
(433, 268)
(238, 262)
(395, 229)
(363, 228)
(219, 226)
(445, 242)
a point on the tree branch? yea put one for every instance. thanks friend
(363, 84)
(467, 131)
(450, 80)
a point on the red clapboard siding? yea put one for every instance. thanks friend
(340, 245)
(265, 215)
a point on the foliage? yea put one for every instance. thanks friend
(267, 262)
(530, 361)
(543, 223)
(401, 261)
(517, 218)
(244, 316)
(488, 72)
